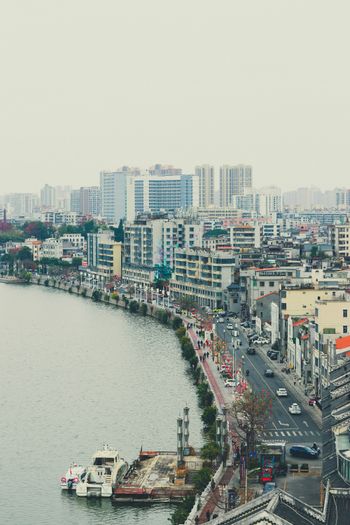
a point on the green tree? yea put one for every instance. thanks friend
(210, 451)
(24, 254)
(119, 232)
(177, 323)
(202, 478)
(182, 510)
(96, 296)
(76, 262)
(37, 229)
(143, 309)
(180, 332)
(134, 307)
(209, 416)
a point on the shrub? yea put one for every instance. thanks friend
(162, 316)
(209, 415)
(96, 296)
(116, 297)
(182, 511)
(46, 282)
(70, 289)
(143, 309)
(180, 332)
(134, 307)
(106, 297)
(83, 292)
(177, 323)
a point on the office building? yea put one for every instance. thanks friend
(90, 201)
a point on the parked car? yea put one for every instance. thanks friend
(230, 382)
(269, 373)
(229, 326)
(304, 452)
(273, 356)
(294, 409)
(251, 350)
(235, 333)
(281, 392)
(221, 320)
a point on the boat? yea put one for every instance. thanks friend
(74, 474)
(106, 472)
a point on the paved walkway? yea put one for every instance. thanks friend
(216, 504)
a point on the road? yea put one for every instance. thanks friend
(282, 425)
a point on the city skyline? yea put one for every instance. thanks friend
(123, 87)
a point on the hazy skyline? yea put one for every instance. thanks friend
(90, 85)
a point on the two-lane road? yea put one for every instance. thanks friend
(281, 425)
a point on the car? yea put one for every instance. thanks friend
(251, 350)
(281, 392)
(221, 320)
(269, 373)
(273, 356)
(304, 452)
(235, 333)
(230, 382)
(294, 409)
(229, 326)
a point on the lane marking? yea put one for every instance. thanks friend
(288, 433)
(300, 433)
(311, 432)
(306, 423)
(294, 433)
(282, 433)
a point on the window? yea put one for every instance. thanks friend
(271, 284)
(284, 306)
(345, 313)
(345, 329)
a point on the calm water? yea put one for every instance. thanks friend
(75, 375)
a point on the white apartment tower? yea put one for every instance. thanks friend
(234, 180)
(205, 175)
(113, 193)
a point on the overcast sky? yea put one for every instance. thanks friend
(95, 84)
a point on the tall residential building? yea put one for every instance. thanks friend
(340, 239)
(155, 193)
(104, 256)
(90, 200)
(205, 175)
(48, 196)
(234, 180)
(20, 204)
(264, 201)
(162, 169)
(75, 201)
(62, 197)
(113, 186)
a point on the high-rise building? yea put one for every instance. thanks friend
(75, 201)
(113, 193)
(155, 193)
(205, 175)
(62, 197)
(48, 196)
(234, 180)
(90, 200)
(161, 169)
(20, 204)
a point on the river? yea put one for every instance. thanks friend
(74, 375)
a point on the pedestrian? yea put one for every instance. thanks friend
(207, 514)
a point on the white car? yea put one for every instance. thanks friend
(281, 392)
(294, 409)
(229, 326)
(221, 320)
(230, 382)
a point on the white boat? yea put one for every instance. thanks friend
(107, 470)
(74, 474)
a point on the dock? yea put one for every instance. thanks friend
(155, 478)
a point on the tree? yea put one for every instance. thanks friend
(143, 309)
(209, 415)
(202, 478)
(252, 412)
(177, 323)
(182, 510)
(24, 254)
(119, 232)
(134, 307)
(37, 229)
(76, 262)
(210, 451)
(96, 295)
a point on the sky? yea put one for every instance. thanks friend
(88, 85)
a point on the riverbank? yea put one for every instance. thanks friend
(208, 370)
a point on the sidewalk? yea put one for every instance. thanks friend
(216, 503)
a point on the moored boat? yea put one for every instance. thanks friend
(106, 472)
(74, 474)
